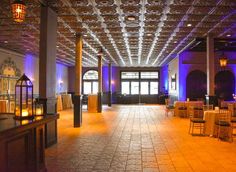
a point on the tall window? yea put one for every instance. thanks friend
(90, 82)
(140, 82)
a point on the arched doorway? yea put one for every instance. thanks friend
(224, 85)
(196, 85)
(90, 82)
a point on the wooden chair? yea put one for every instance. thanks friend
(223, 125)
(232, 109)
(183, 111)
(207, 107)
(169, 107)
(196, 121)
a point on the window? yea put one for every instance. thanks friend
(153, 87)
(90, 82)
(129, 75)
(87, 87)
(142, 82)
(149, 75)
(134, 87)
(144, 88)
(125, 87)
(91, 75)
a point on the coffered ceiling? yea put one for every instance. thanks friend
(131, 32)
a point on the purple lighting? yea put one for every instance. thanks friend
(30, 66)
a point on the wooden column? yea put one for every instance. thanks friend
(78, 82)
(210, 70)
(110, 85)
(99, 83)
(47, 69)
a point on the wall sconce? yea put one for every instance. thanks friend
(18, 11)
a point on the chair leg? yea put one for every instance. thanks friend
(189, 127)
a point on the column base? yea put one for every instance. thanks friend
(77, 100)
(99, 108)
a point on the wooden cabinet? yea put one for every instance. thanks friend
(22, 146)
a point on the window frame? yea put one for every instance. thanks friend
(149, 80)
(88, 80)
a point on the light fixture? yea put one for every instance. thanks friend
(228, 35)
(189, 24)
(149, 34)
(131, 18)
(223, 61)
(5, 42)
(18, 11)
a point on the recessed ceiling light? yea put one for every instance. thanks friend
(5, 42)
(131, 18)
(149, 34)
(85, 35)
(27, 49)
(189, 24)
(57, 46)
(175, 42)
(228, 35)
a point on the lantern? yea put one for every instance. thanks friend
(38, 108)
(18, 11)
(24, 98)
(223, 61)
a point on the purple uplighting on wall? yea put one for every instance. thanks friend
(29, 66)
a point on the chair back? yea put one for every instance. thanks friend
(207, 107)
(223, 115)
(196, 112)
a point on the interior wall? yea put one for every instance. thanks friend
(190, 61)
(29, 64)
(173, 69)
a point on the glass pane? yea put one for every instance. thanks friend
(153, 75)
(95, 87)
(144, 88)
(153, 87)
(134, 87)
(125, 87)
(91, 74)
(87, 87)
(129, 75)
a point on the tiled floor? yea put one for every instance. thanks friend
(135, 138)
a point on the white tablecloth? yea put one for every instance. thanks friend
(210, 118)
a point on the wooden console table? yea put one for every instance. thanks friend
(22, 143)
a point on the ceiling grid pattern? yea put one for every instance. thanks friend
(158, 32)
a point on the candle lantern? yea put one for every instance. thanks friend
(18, 11)
(38, 108)
(24, 98)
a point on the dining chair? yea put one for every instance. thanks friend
(223, 128)
(207, 107)
(168, 107)
(232, 109)
(182, 109)
(196, 121)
